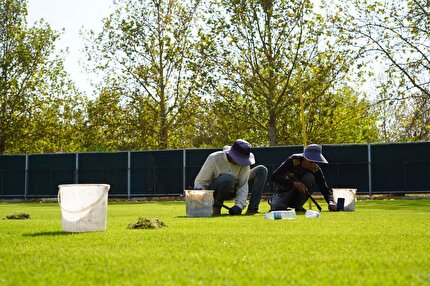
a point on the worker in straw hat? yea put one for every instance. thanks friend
(296, 176)
(228, 173)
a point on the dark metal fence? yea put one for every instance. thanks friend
(369, 168)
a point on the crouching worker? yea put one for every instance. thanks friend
(228, 173)
(298, 175)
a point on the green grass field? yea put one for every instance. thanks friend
(384, 242)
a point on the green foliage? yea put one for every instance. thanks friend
(260, 57)
(406, 120)
(145, 48)
(39, 107)
(394, 36)
(341, 118)
(381, 243)
(183, 74)
(107, 123)
(415, 120)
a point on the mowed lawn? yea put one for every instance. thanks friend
(384, 242)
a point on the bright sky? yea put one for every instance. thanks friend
(71, 15)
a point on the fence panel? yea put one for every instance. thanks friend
(272, 157)
(400, 168)
(47, 171)
(105, 168)
(156, 172)
(348, 166)
(12, 176)
(395, 168)
(417, 176)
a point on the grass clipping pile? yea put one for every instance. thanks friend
(18, 216)
(147, 223)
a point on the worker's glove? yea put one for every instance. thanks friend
(332, 207)
(235, 210)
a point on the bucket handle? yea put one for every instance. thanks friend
(83, 209)
(201, 203)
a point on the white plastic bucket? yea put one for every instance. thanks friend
(83, 207)
(199, 203)
(348, 195)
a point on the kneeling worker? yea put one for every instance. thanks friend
(228, 173)
(297, 176)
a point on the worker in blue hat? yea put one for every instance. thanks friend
(229, 174)
(296, 176)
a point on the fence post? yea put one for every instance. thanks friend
(128, 175)
(369, 163)
(26, 178)
(184, 167)
(77, 168)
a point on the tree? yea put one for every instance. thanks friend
(416, 121)
(409, 120)
(145, 48)
(342, 117)
(396, 41)
(38, 104)
(105, 129)
(261, 56)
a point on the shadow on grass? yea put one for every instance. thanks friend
(47, 233)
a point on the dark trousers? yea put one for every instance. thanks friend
(293, 198)
(225, 186)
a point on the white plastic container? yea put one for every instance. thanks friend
(83, 207)
(312, 214)
(290, 214)
(349, 195)
(199, 203)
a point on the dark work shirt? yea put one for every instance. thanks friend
(291, 170)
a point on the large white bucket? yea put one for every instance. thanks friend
(348, 195)
(199, 203)
(83, 207)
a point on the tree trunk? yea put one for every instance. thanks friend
(272, 131)
(2, 145)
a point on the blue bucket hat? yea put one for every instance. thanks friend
(313, 153)
(240, 152)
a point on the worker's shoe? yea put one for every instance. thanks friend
(216, 211)
(252, 211)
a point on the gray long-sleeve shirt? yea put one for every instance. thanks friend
(217, 164)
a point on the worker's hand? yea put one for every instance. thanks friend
(332, 207)
(300, 187)
(235, 210)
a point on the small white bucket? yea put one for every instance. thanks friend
(348, 195)
(199, 203)
(83, 207)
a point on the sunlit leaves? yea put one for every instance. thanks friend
(146, 48)
(39, 106)
(268, 54)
